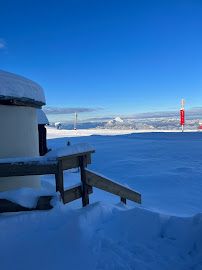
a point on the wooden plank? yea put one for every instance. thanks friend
(7, 206)
(10, 102)
(68, 163)
(39, 168)
(105, 184)
(71, 162)
(59, 180)
(44, 203)
(21, 168)
(75, 193)
(85, 196)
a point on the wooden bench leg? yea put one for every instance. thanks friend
(59, 180)
(85, 195)
(123, 200)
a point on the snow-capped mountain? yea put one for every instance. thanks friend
(118, 123)
(172, 123)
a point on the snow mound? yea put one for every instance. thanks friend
(26, 197)
(100, 236)
(42, 118)
(13, 86)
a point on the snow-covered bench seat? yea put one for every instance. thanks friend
(54, 162)
(57, 161)
(48, 164)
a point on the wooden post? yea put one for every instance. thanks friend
(85, 195)
(59, 179)
(123, 200)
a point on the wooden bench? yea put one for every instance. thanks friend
(56, 166)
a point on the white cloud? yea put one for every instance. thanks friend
(193, 113)
(52, 110)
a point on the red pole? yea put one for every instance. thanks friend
(182, 118)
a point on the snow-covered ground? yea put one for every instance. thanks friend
(165, 232)
(165, 167)
(55, 133)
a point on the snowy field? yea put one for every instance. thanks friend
(165, 232)
(164, 167)
(54, 133)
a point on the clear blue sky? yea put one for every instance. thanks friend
(122, 56)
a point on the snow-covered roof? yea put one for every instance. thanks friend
(42, 118)
(13, 86)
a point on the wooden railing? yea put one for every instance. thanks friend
(101, 182)
(89, 179)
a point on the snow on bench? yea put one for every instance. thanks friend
(75, 149)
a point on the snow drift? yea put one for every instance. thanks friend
(100, 236)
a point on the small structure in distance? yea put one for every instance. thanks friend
(58, 125)
(75, 122)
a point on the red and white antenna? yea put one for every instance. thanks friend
(75, 121)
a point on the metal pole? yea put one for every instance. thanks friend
(75, 121)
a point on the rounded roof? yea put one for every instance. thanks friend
(16, 87)
(42, 118)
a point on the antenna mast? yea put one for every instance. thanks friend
(75, 120)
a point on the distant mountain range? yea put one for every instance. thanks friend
(119, 123)
(158, 123)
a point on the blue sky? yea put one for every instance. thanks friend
(111, 57)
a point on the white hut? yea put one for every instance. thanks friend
(19, 100)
